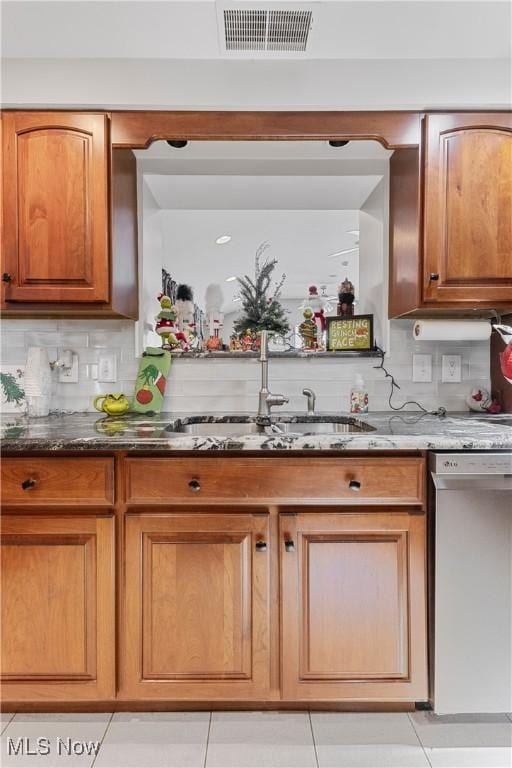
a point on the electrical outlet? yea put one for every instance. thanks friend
(422, 367)
(107, 368)
(70, 375)
(451, 369)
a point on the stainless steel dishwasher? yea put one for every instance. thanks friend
(471, 604)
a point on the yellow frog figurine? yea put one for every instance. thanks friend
(113, 404)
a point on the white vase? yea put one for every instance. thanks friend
(38, 382)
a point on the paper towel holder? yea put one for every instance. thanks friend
(496, 317)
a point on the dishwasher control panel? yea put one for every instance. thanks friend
(472, 463)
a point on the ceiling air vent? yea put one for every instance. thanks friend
(266, 29)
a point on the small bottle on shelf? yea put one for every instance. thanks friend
(359, 396)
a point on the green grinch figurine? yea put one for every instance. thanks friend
(172, 338)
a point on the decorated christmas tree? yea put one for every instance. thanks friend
(261, 308)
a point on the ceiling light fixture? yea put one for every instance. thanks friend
(341, 253)
(230, 279)
(223, 239)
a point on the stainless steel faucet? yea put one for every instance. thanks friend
(311, 400)
(266, 399)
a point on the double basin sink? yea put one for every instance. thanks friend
(238, 426)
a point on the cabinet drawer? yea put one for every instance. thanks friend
(58, 481)
(385, 480)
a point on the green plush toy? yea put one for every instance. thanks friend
(152, 377)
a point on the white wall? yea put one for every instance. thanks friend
(312, 84)
(198, 386)
(373, 260)
(152, 251)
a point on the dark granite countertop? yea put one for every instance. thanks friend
(392, 431)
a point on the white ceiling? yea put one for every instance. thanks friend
(322, 193)
(188, 29)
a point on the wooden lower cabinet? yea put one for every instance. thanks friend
(353, 606)
(229, 601)
(196, 607)
(57, 482)
(57, 608)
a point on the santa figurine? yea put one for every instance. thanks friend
(317, 304)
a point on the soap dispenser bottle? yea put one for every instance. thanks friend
(359, 396)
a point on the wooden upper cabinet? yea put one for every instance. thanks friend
(56, 207)
(353, 606)
(468, 209)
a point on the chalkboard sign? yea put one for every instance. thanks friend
(346, 334)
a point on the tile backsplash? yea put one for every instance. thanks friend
(232, 385)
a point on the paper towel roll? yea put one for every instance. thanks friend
(451, 330)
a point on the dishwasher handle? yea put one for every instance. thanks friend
(472, 482)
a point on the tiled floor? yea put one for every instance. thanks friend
(257, 740)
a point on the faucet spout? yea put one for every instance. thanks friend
(263, 346)
(267, 399)
(311, 400)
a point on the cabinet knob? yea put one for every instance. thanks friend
(6, 277)
(28, 483)
(354, 485)
(194, 485)
(261, 546)
(434, 276)
(289, 545)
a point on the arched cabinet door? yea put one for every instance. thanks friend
(467, 257)
(56, 207)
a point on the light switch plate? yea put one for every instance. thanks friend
(451, 369)
(107, 368)
(70, 375)
(422, 367)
